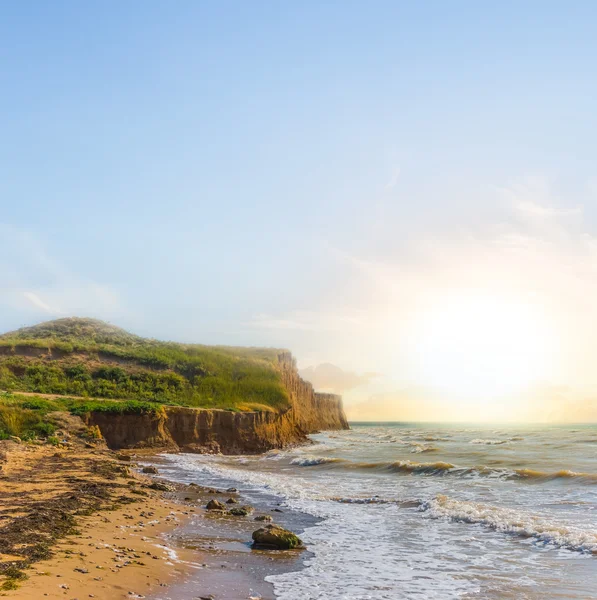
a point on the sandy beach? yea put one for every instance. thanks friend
(81, 521)
(86, 523)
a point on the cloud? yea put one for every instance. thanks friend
(532, 198)
(392, 182)
(329, 377)
(534, 209)
(37, 301)
(306, 320)
(35, 284)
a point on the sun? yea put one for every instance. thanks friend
(481, 346)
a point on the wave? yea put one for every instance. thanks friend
(311, 461)
(489, 442)
(506, 520)
(377, 500)
(443, 469)
(422, 448)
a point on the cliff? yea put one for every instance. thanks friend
(214, 430)
(145, 392)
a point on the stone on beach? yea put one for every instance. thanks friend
(241, 511)
(215, 505)
(276, 538)
(263, 518)
(150, 470)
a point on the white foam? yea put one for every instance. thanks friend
(507, 520)
(310, 461)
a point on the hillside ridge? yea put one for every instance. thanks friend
(142, 392)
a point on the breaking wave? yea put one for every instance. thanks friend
(506, 520)
(442, 469)
(312, 461)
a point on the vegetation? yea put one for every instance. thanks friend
(92, 359)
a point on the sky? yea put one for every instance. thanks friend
(403, 194)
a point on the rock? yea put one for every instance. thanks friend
(123, 457)
(241, 511)
(210, 597)
(276, 538)
(232, 490)
(263, 518)
(231, 501)
(215, 505)
(150, 470)
(161, 487)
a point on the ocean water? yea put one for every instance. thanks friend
(431, 511)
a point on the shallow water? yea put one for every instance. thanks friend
(432, 511)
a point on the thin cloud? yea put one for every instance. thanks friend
(534, 209)
(327, 376)
(393, 181)
(303, 320)
(37, 301)
(34, 281)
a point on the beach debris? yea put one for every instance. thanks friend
(151, 470)
(274, 537)
(241, 511)
(215, 505)
(263, 518)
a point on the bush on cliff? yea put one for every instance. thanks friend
(88, 358)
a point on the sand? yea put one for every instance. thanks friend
(109, 523)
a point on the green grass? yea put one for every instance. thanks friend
(84, 357)
(30, 417)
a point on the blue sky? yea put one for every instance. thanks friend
(297, 174)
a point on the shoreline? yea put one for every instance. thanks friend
(138, 542)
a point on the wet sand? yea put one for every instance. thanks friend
(77, 522)
(223, 563)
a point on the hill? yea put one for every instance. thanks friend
(93, 359)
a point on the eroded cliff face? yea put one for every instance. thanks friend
(210, 430)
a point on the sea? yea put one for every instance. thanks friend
(426, 511)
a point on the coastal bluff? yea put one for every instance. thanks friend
(202, 430)
(146, 393)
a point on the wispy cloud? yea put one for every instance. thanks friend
(39, 303)
(327, 376)
(306, 320)
(393, 181)
(34, 282)
(534, 209)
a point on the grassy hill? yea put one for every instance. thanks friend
(92, 359)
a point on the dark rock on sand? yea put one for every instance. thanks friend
(161, 487)
(263, 518)
(150, 470)
(241, 511)
(275, 537)
(215, 505)
(231, 501)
